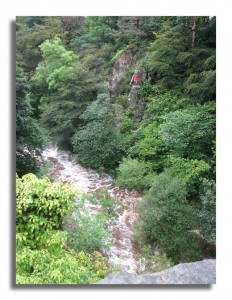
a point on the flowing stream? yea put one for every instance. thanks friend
(65, 168)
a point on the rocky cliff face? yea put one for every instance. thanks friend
(200, 272)
(122, 64)
(137, 104)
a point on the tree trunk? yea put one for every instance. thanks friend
(194, 31)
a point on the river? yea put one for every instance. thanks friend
(65, 168)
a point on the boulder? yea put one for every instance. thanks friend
(200, 272)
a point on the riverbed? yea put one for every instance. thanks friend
(65, 168)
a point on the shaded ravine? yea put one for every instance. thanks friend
(65, 168)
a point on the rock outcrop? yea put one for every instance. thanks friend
(137, 104)
(200, 272)
(122, 64)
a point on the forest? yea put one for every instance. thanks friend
(153, 140)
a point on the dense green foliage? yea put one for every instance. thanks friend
(73, 78)
(96, 143)
(87, 230)
(42, 255)
(30, 138)
(207, 215)
(40, 206)
(166, 219)
(153, 263)
(44, 266)
(189, 133)
(134, 174)
(190, 172)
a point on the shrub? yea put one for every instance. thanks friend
(190, 172)
(127, 124)
(151, 147)
(53, 263)
(40, 206)
(109, 205)
(42, 255)
(97, 145)
(134, 174)
(207, 215)
(152, 262)
(162, 104)
(165, 218)
(25, 163)
(189, 133)
(122, 100)
(145, 90)
(87, 232)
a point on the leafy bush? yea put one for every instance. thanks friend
(151, 147)
(134, 174)
(189, 133)
(53, 263)
(25, 162)
(146, 90)
(97, 145)
(189, 171)
(42, 255)
(162, 104)
(122, 100)
(127, 124)
(40, 206)
(86, 230)
(165, 218)
(207, 215)
(109, 205)
(152, 262)
(99, 110)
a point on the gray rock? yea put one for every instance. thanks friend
(122, 64)
(137, 104)
(200, 272)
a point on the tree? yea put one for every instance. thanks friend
(65, 87)
(57, 64)
(161, 61)
(190, 132)
(165, 218)
(96, 143)
(194, 31)
(30, 33)
(32, 21)
(29, 136)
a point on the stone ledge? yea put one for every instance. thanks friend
(200, 272)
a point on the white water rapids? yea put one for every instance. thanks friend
(65, 168)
